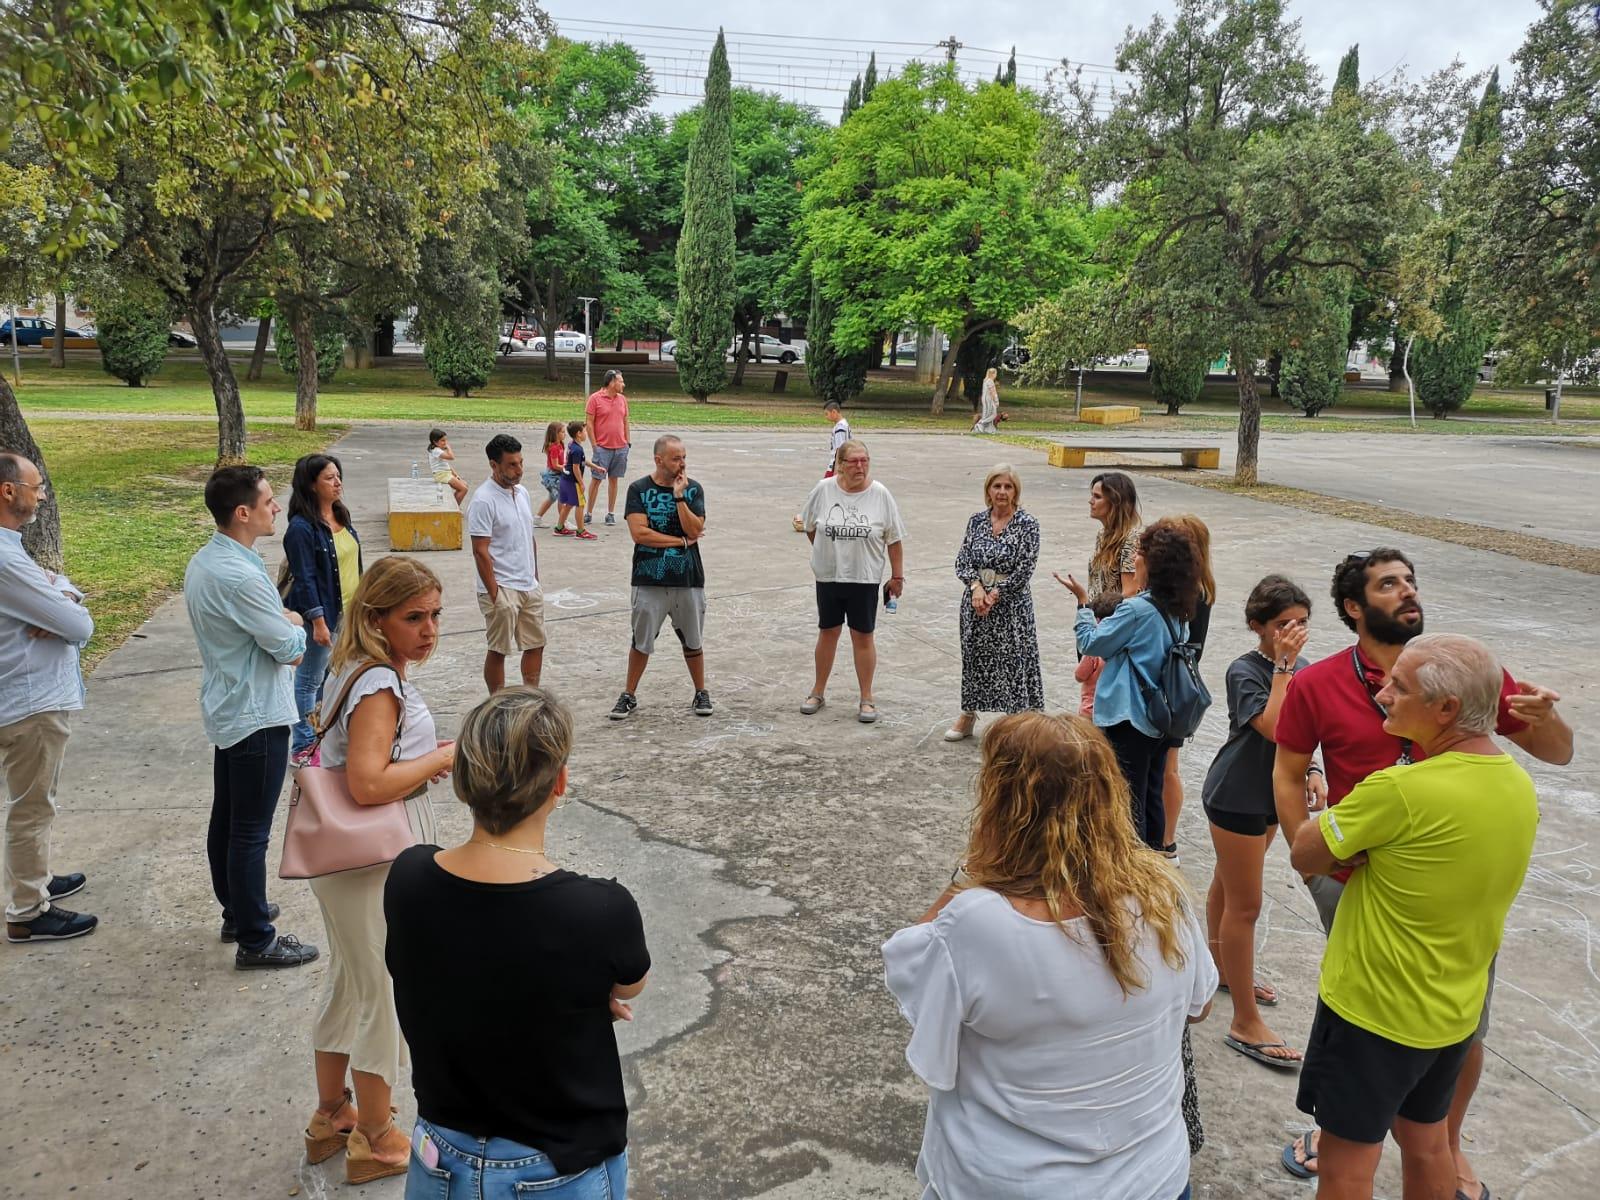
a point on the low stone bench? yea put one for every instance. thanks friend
(423, 516)
(1110, 414)
(1207, 458)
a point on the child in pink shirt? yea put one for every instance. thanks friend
(1089, 666)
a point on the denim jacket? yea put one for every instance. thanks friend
(1134, 641)
(313, 570)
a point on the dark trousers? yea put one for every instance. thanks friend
(246, 778)
(1143, 760)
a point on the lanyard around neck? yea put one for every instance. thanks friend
(1366, 689)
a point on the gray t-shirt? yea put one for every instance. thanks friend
(1240, 778)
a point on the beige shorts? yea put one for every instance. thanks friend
(514, 621)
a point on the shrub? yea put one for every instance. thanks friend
(132, 329)
(1176, 379)
(1311, 372)
(330, 348)
(1445, 369)
(461, 357)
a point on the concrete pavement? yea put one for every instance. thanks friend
(771, 854)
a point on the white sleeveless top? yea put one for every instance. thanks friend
(417, 733)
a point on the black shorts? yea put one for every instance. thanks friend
(1244, 824)
(856, 603)
(1356, 1083)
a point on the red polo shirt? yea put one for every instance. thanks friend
(1328, 706)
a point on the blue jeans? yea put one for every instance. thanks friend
(307, 689)
(1188, 1191)
(473, 1168)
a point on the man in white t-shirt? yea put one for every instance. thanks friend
(855, 531)
(500, 524)
(838, 437)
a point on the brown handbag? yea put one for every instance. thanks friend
(327, 831)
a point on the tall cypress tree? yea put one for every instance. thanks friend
(1348, 81)
(1010, 77)
(706, 242)
(852, 101)
(871, 80)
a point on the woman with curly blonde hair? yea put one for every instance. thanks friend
(1048, 990)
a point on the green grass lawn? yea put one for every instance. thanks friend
(519, 392)
(133, 507)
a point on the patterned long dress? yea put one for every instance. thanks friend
(1000, 651)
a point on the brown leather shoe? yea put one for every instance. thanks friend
(361, 1162)
(327, 1133)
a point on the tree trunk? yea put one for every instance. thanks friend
(1274, 370)
(224, 385)
(1397, 364)
(42, 537)
(1244, 472)
(741, 355)
(58, 344)
(259, 354)
(947, 373)
(305, 383)
(363, 348)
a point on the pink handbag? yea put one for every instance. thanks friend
(327, 831)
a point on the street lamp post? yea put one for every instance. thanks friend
(588, 342)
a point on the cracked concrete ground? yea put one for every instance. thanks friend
(771, 853)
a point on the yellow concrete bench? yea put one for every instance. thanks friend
(1206, 458)
(1110, 414)
(423, 516)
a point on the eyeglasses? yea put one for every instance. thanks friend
(856, 462)
(42, 488)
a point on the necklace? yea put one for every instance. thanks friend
(502, 846)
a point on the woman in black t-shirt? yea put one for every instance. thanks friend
(508, 973)
(1238, 800)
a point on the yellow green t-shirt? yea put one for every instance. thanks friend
(1448, 841)
(349, 552)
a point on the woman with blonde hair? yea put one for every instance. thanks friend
(376, 726)
(1049, 990)
(991, 405)
(508, 973)
(999, 641)
(1199, 624)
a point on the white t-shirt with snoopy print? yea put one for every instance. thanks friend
(854, 532)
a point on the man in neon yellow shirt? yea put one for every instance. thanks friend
(1442, 847)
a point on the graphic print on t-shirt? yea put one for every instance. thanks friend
(846, 520)
(666, 566)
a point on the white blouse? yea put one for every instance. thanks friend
(1043, 1079)
(417, 733)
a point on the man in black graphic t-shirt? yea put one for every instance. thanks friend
(666, 513)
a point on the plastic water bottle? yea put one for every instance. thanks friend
(416, 468)
(892, 604)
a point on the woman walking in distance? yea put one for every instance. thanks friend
(1238, 800)
(991, 405)
(381, 732)
(1048, 989)
(322, 562)
(519, 1087)
(1114, 503)
(999, 642)
(855, 531)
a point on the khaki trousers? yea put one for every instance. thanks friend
(31, 751)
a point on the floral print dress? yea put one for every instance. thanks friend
(1000, 651)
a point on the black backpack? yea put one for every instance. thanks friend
(1177, 701)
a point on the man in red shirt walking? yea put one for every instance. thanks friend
(610, 437)
(1333, 704)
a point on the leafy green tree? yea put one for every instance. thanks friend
(1240, 193)
(706, 248)
(1177, 378)
(834, 374)
(133, 328)
(1311, 376)
(328, 336)
(459, 355)
(930, 206)
(1071, 332)
(1537, 258)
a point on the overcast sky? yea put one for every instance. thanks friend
(809, 51)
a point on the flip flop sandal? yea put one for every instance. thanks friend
(866, 712)
(813, 704)
(1261, 1001)
(1483, 1195)
(1296, 1168)
(1256, 1050)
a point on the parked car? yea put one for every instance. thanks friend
(773, 350)
(1487, 368)
(905, 350)
(34, 331)
(510, 343)
(1013, 356)
(670, 347)
(566, 343)
(179, 338)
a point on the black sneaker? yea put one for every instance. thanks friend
(623, 709)
(62, 886)
(702, 703)
(230, 931)
(53, 925)
(285, 951)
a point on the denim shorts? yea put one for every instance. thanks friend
(473, 1168)
(552, 484)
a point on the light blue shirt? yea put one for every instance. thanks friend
(38, 674)
(1133, 640)
(246, 643)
